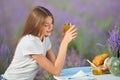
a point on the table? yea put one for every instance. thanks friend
(68, 72)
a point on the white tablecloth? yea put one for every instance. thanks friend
(78, 71)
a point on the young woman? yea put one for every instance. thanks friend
(34, 48)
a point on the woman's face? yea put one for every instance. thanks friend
(48, 27)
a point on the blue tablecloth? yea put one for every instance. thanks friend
(68, 72)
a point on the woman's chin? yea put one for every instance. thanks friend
(47, 35)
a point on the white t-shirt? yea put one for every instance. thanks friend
(23, 66)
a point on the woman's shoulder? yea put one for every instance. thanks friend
(28, 39)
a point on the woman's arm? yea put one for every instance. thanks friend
(56, 67)
(51, 56)
(53, 68)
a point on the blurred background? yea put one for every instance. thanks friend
(93, 19)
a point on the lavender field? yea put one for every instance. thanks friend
(93, 19)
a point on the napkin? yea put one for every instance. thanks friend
(79, 74)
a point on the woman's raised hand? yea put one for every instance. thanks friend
(70, 34)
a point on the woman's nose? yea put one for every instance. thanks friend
(51, 27)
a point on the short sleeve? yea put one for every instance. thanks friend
(31, 46)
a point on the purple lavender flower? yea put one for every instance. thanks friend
(114, 41)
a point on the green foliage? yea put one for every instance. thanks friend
(104, 24)
(87, 38)
(2, 67)
(18, 31)
(46, 76)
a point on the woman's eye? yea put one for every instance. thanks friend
(46, 25)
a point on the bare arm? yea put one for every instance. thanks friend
(51, 56)
(56, 67)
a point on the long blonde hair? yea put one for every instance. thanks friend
(36, 20)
